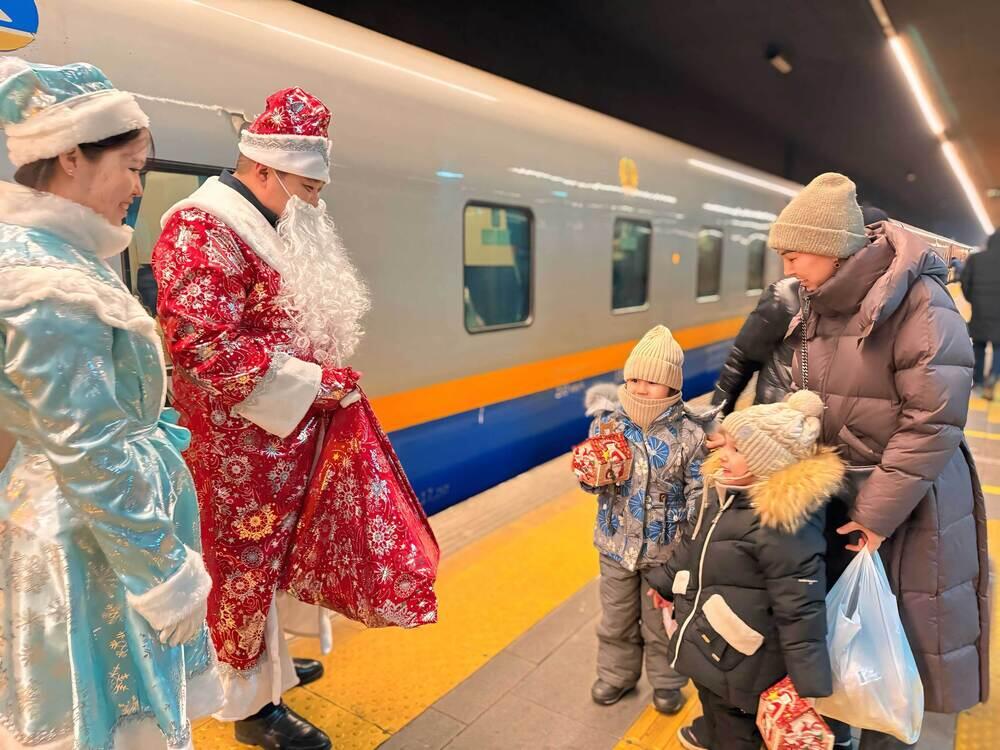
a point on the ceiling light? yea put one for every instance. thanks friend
(916, 86)
(993, 193)
(933, 119)
(778, 61)
(970, 190)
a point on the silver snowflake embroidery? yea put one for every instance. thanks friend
(185, 235)
(280, 475)
(381, 536)
(345, 495)
(376, 461)
(397, 614)
(236, 469)
(378, 490)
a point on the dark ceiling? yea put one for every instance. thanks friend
(697, 71)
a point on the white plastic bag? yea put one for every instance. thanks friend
(875, 680)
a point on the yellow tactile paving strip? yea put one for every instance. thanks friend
(654, 731)
(979, 729)
(490, 592)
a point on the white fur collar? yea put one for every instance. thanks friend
(238, 214)
(78, 225)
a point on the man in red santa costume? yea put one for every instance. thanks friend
(260, 307)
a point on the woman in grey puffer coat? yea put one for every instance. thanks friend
(890, 355)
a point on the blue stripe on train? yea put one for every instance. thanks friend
(451, 459)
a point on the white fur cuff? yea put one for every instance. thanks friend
(177, 597)
(283, 396)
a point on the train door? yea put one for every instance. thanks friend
(164, 183)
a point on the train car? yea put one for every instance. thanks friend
(516, 245)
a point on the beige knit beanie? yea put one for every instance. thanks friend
(823, 219)
(657, 358)
(772, 437)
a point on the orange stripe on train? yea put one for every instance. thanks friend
(408, 408)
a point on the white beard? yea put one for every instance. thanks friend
(320, 287)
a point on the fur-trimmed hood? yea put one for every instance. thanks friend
(787, 499)
(602, 397)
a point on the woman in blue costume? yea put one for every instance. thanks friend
(102, 591)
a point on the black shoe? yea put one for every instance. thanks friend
(686, 737)
(605, 694)
(308, 670)
(281, 729)
(668, 701)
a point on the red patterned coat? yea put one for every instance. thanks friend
(247, 394)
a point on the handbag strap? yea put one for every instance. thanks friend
(804, 346)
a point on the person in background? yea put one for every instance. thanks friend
(103, 642)
(981, 287)
(639, 522)
(145, 287)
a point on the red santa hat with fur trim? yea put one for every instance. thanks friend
(290, 135)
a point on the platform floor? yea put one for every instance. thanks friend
(511, 661)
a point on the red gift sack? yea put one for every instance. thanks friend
(789, 722)
(603, 459)
(363, 546)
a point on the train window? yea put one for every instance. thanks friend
(709, 264)
(163, 185)
(630, 265)
(498, 267)
(756, 252)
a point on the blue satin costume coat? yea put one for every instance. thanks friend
(95, 503)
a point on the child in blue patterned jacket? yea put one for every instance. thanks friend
(639, 521)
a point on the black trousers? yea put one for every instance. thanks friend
(725, 727)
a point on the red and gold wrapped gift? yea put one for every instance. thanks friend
(363, 546)
(603, 459)
(788, 721)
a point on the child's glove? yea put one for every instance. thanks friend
(667, 607)
(658, 601)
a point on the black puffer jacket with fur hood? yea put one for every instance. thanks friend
(757, 610)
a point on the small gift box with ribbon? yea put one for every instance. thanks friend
(603, 459)
(788, 721)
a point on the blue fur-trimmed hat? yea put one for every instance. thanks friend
(47, 110)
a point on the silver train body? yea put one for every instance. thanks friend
(430, 157)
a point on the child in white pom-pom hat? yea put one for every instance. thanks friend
(748, 585)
